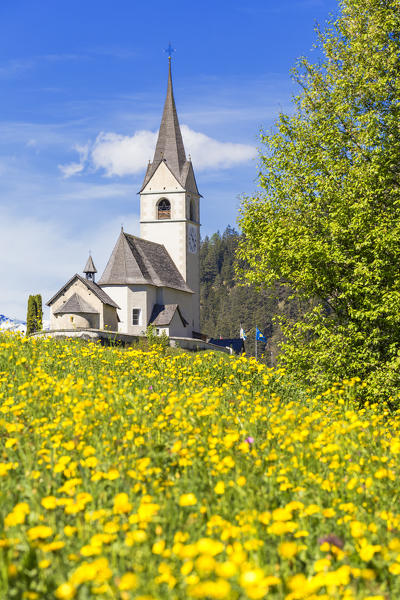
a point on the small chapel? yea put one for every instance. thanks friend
(153, 279)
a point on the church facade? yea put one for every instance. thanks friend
(155, 278)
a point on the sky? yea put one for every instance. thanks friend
(82, 88)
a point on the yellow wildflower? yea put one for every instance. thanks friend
(187, 500)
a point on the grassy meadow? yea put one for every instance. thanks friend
(129, 474)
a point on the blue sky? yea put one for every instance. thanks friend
(82, 91)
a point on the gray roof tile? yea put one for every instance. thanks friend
(163, 314)
(138, 261)
(170, 146)
(97, 291)
(89, 267)
(75, 304)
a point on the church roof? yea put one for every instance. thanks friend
(170, 148)
(163, 314)
(89, 267)
(93, 287)
(75, 304)
(138, 261)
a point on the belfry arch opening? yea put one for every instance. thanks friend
(163, 209)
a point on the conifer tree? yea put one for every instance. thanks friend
(39, 313)
(31, 315)
(34, 317)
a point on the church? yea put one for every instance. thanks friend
(153, 279)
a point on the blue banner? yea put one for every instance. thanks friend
(259, 336)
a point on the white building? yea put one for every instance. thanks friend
(154, 278)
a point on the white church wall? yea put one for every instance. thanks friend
(119, 293)
(173, 232)
(162, 179)
(142, 297)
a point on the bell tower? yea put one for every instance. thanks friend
(170, 201)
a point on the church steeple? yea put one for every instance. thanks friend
(170, 202)
(169, 146)
(90, 270)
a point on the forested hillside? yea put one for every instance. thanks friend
(226, 305)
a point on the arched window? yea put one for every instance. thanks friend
(164, 209)
(192, 211)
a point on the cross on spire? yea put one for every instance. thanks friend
(169, 51)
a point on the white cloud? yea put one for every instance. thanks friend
(71, 169)
(122, 155)
(47, 255)
(76, 167)
(208, 153)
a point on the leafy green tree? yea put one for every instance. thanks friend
(328, 221)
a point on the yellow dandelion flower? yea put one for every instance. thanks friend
(158, 547)
(219, 488)
(49, 502)
(187, 500)
(122, 504)
(226, 569)
(251, 577)
(357, 529)
(395, 569)
(205, 564)
(288, 549)
(11, 442)
(129, 581)
(209, 546)
(39, 532)
(65, 591)
(281, 514)
(187, 567)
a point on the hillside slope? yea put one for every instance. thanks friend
(127, 474)
(226, 305)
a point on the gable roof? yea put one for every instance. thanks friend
(93, 287)
(76, 304)
(138, 261)
(162, 314)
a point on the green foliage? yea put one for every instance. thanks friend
(157, 341)
(151, 335)
(226, 305)
(34, 317)
(328, 222)
(39, 312)
(30, 316)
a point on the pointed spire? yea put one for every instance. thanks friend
(90, 269)
(170, 144)
(170, 148)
